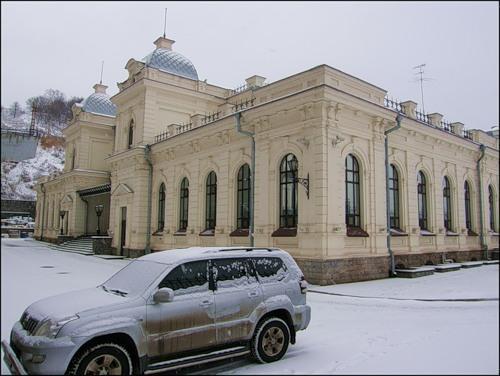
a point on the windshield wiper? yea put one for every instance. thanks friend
(114, 291)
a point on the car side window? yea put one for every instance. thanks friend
(230, 272)
(270, 269)
(187, 278)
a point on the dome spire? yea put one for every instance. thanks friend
(165, 24)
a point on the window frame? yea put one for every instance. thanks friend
(353, 217)
(423, 212)
(130, 135)
(394, 199)
(211, 201)
(161, 207)
(447, 205)
(183, 205)
(491, 207)
(467, 206)
(243, 189)
(288, 183)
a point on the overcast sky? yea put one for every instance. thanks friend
(60, 45)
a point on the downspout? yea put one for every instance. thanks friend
(42, 188)
(147, 156)
(252, 176)
(484, 246)
(388, 212)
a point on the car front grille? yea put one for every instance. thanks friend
(28, 323)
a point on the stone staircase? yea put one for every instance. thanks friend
(82, 246)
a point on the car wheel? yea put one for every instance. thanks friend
(270, 340)
(102, 359)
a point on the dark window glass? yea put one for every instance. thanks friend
(447, 204)
(243, 198)
(491, 208)
(270, 269)
(352, 201)
(288, 192)
(131, 134)
(422, 200)
(187, 278)
(394, 197)
(211, 201)
(468, 223)
(183, 205)
(230, 272)
(161, 207)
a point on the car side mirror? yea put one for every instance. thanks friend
(163, 295)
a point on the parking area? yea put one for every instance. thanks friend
(441, 323)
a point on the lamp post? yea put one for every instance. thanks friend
(98, 211)
(61, 214)
(294, 166)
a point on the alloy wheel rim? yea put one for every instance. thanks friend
(104, 365)
(273, 341)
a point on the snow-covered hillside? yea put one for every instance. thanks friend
(18, 178)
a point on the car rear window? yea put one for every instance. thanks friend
(270, 269)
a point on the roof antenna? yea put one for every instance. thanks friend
(102, 68)
(421, 79)
(165, 24)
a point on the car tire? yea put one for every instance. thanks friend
(270, 340)
(109, 357)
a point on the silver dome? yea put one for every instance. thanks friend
(99, 103)
(171, 62)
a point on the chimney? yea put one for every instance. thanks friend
(457, 128)
(162, 42)
(100, 88)
(255, 81)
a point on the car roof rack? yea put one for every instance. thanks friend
(249, 249)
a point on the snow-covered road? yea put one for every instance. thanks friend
(347, 335)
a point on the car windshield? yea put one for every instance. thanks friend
(134, 278)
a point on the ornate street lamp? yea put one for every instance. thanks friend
(61, 214)
(294, 166)
(98, 211)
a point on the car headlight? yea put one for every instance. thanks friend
(49, 328)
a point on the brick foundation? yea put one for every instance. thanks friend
(328, 272)
(434, 258)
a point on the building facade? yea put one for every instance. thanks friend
(171, 158)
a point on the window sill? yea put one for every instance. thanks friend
(285, 232)
(180, 232)
(397, 232)
(451, 233)
(207, 232)
(471, 233)
(426, 233)
(240, 232)
(356, 232)
(158, 233)
(492, 233)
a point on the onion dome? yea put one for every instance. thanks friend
(99, 102)
(164, 59)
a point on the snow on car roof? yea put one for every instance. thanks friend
(173, 256)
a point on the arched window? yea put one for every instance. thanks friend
(131, 134)
(184, 205)
(73, 158)
(468, 222)
(243, 198)
(491, 208)
(288, 192)
(211, 201)
(394, 197)
(352, 192)
(422, 201)
(161, 207)
(447, 204)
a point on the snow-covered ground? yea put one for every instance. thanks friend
(347, 335)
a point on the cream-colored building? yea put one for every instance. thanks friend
(170, 158)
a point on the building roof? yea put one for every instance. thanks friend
(99, 102)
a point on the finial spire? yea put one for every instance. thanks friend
(165, 25)
(102, 68)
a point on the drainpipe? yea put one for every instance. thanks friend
(42, 188)
(147, 156)
(388, 212)
(252, 176)
(484, 246)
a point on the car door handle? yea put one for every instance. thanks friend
(206, 303)
(253, 294)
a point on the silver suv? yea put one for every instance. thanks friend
(164, 311)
